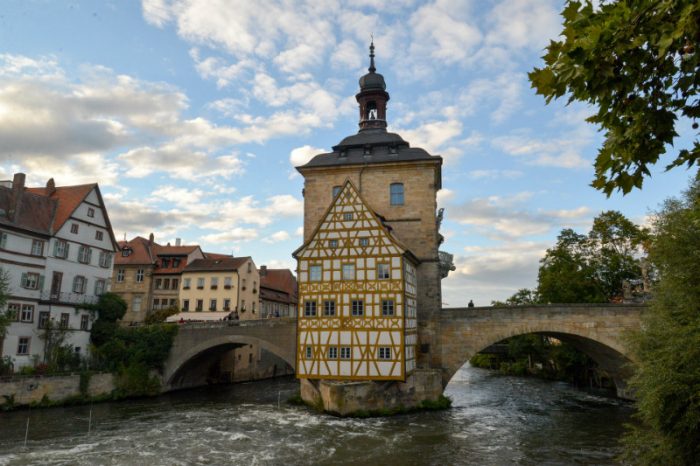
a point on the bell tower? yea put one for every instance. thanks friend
(372, 97)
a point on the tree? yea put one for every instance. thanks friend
(522, 297)
(667, 349)
(638, 63)
(592, 268)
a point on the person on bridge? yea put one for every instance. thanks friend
(471, 303)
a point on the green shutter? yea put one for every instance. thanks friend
(55, 248)
(41, 283)
(23, 282)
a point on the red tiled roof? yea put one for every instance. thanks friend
(68, 198)
(281, 280)
(174, 250)
(141, 252)
(214, 255)
(213, 265)
(35, 212)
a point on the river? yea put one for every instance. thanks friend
(495, 420)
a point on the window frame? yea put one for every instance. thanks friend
(60, 249)
(343, 274)
(37, 248)
(348, 217)
(345, 352)
(315, 267)
(212, 304)
(309, 353)
(27, 283)
(120, 275)
(85, 322)
(85, 254)
(83, 284)
(388, 308)
(99, 235)
(74, 228)
(382, 276)
(43, 319)
(384, 353)
(140, 274)
(357, 308)
(91, 212)
(364, 242)
(29, 309)
(27, 343)
(336, 190)
(310, 308)
(329, 308)
(396, 198)
(332, 352)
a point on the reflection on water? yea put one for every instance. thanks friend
(495, 420)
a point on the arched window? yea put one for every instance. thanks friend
(396, 191)
(371, 110)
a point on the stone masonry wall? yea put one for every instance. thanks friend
(26, 390)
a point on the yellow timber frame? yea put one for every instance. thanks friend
(336, 242)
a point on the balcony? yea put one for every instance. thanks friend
(446, 263)
(67, 298)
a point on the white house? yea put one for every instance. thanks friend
(56, 248)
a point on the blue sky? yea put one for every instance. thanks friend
(191, 115)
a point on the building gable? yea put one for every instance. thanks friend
(350, 228)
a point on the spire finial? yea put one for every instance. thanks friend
(372, 69)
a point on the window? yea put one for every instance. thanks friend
(105, 259)
(214, 283)
(37, 247)
(27, 314)
(358, 307)
(173, 302)
(166, 283)
(84, 254)
(13, 312)
(333, 243)
(200, 305)
(43, 319)
(23, 345)
(336, 191)
(329, 308)
(364, 242)
(250, 267)
(396, 193)
(186, 283)
(74, 228)
(139, 276)
(388, 307)
(3, 239)
(310, 309)
(91, 212)
(126, 251)
(185, 304)
(384, 352)
(227, 304)
(60, 249)
(120, 275)
(174, 284)
(227, 282)
(165, 263)
(345, 352)
(99, 235)
(65, 319)
(315, 273)
(30, 281)
(136, 304)
(158, 284)
(176, 263)
(348, 271)
(347, 216)
(212, 304)
(200, 283)
(382, 271)
(84, 322)
(79, 284)
(99, 287)
(156, 303)
(309, 352)
(333, 352)
(243, 284)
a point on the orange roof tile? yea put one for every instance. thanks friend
(68, 197)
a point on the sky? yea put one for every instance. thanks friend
(191, 115)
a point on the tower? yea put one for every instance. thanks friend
(369, 269)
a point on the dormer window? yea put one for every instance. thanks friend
(343, 153)
(393, 150)
(126, 252)
(368, 150)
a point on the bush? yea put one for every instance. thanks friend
(7, 366)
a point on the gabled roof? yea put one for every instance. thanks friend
(214, 255)
(141, 252)
(174, 250)
(216, 265)
(35, 214)
(68, 198)
(349, 186)
(277, 281)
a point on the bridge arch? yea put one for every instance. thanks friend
(596, 330)
(197, 348)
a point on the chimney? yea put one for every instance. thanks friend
(151, 238)
(263, 270)
(50, 187)
(178, 242)
(16, 197)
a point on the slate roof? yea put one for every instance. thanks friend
(36, 212)
(384, 147)
(216, 265)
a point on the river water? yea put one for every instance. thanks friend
(495, 420)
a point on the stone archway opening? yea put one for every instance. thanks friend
(608, 359)
(226, 361)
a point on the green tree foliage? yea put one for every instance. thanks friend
(109, 309)
(4, 318)
(667, 349)
(58, 355)
(160, 315)
(591, 268)
(637, 62)
(522, 297)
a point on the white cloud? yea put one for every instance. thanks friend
(277, 237)
(493, 174)
(232, 236)
(562, 152)
(302, 155)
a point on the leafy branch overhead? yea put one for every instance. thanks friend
(637, 62)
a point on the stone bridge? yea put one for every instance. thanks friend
(597, 330)
(197, 344)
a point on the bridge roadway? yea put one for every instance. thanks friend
(596, 329)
